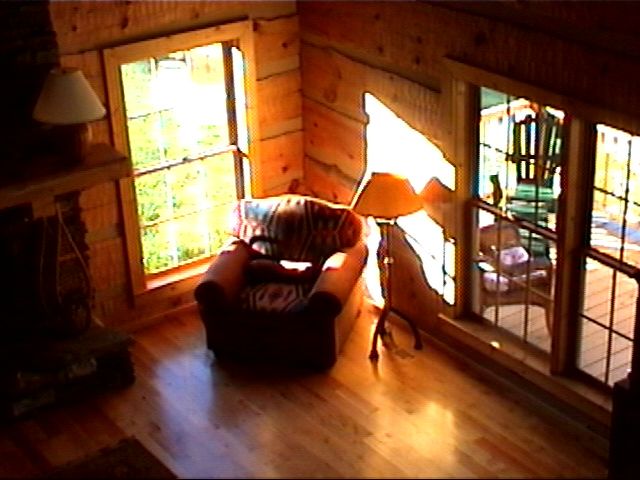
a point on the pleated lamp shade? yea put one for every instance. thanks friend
(387, 196)
(67, 99)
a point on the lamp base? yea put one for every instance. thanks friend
(384, 264)
(384, 335)
(70, 143)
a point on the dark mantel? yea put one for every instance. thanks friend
(102, 164)
(43, 243)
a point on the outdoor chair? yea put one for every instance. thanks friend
(536, 154)
(510, 273)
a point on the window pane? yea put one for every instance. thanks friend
(176, 107)
(157, 247)
(241, 99)
(520, 155)
(143, 142)
(620, 364)
(607, 322)
(519, 168)
(597, 292)
(609, 309)
(220, 179)
(192, 237)
(515, 280)
(604, 355)
(179, 201)
(615, 227)
(178, 102)
(187, 188)
(152, 194)
(218, 223)
(592, 355)
(137, 77)
(168, 135)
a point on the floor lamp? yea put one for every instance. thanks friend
(385, 197)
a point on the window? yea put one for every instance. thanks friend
(181, 116)
(519, 204)
(519, 167)
(607, 316)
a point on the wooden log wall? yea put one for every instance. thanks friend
(582, 51)
(84, 28)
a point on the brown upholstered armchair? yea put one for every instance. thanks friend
(288, 286)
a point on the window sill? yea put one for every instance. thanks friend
(524, 367)
(177, 274)
(164, 295)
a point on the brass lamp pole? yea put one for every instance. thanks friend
(385, 197)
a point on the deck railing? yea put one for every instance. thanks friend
(609, 310)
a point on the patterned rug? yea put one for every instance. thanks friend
(127, 459)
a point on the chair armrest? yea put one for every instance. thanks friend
(222, 282)
(340, 273)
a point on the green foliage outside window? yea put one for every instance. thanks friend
(151, 193)
(183, 208)
(156, 249)
(142, 144)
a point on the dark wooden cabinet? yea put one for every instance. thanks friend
(624, 444)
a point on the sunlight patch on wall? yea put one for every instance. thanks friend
(394, 146)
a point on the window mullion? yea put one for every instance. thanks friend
(573, 231)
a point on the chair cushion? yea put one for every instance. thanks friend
(266, 270)
(275, 297)
(512, 256)
(296, 227)
(493, 282)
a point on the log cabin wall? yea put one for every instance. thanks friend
(584, 51)
(394, 50)
(84, 28)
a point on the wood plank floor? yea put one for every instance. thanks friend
(416, 414)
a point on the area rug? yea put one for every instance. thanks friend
(127, 459)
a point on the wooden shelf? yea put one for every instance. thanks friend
(102, 164)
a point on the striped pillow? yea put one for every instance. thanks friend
(296, 227)
(275, 297)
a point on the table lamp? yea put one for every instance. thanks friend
(385, 197)
(67, 103)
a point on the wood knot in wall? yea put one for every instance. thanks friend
(330, 94)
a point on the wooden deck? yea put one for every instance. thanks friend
(600, 282)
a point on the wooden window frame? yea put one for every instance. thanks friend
(580, 142)
(241, 34)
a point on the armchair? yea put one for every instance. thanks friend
(288, 285)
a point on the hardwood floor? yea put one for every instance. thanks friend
(416, 414)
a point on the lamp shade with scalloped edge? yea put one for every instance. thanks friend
(386, 196)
